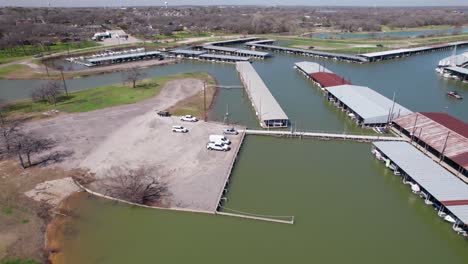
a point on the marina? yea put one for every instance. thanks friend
(267, 109)
(364, 105)
(438, 187)
(205, 56)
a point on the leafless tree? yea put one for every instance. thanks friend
(133, 75)
(49, 92)
(8, 130)
(25, 145)
(139, 185)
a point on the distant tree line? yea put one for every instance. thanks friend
(42, 26)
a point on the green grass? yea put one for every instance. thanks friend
(27, 51)
(12, 68)
(19, 261)
(390, 29)
(7, 211)
(25, 221)
(99, 97)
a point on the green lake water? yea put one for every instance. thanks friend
(348, 209)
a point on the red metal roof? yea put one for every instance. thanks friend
(327, 79)
(449, 121)
(433, 129)
(455, 202)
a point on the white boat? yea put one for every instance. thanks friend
(449, 219)
(397, 172)
(446, 75)
(428, 202)
(415, 188)
(457, 229)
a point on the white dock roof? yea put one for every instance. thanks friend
(456, 60)
(263, 101)
(458, 69)
(373, 107)
(311, 67)
(440, 183)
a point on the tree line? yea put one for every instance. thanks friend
(43, 26)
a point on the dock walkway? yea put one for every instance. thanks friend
(323, 135)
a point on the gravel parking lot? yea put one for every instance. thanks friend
(194, 174)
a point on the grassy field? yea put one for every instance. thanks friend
(390, 29)
(26, 51)
(195, 104)
(364, 45)
(105, 96)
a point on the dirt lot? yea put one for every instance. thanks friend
(133, 135)
(194, 174)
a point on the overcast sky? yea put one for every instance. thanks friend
(234, 2)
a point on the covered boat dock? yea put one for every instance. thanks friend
(319, 75)
(459, 73)
(439, 134)
(222, 58)
(267, 109)
(186, 53)
(236, 52)
(400, 53)
(367, 107)
(428, 179)
(97, 61)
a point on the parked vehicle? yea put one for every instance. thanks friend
(164, 113)
(179, 129)
(379, 130)
(230, 131)
(188, 118)
(219, 139)
(37, 56)
(217, 146)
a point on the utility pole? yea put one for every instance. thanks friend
(204, 101)
(443, 149)
(414, 127)
(64, 83)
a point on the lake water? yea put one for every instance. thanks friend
(348, 208)
(392, 34)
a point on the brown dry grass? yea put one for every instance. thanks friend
(22, 220)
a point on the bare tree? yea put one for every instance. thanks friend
(25, 145)
(139, 185)
(49, 92)
(133, 75)
(8, 130)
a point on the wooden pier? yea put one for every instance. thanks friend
(229, 172)
(322, 135)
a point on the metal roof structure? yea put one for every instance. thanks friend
(232, 41)
(235, 50)
(371, 106)
(253, 53)
(265, 104)
(328, 79)
(433, 128)
(223, 57)
(123, 56)
(438, 182)
(187, 52)
(310, 67)
(219, 48)
(457, 60)
(458, 69)
(311, 52)
(411, 50)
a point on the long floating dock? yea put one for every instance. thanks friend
(267, 109)
(400, 53)
(309, 53)
(427, 178)
(323, 135)
(235, 51)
